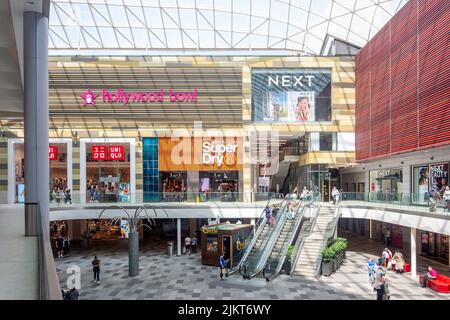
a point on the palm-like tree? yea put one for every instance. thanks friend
(133, 236)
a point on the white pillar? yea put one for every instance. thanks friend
(35, 41)
(179, 237)
(252, 221)
(413, 254)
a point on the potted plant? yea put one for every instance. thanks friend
(287, 265)
(328, 257)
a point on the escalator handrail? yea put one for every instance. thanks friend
(259, 225)
(302, 236)
(281, 257)
(272, 239)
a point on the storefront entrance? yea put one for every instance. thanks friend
(60, 173)
(108, 172)
(219, 186)
(173, 185)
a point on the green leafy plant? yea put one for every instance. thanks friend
(328, 254)
(334, 248)
(289, 252)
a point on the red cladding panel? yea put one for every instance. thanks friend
(403, 92)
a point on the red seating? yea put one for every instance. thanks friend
(407, 267)
(440, 284)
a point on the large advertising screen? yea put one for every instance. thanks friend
(291, 95)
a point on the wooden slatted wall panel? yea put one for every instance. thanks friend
(362, 110)
(404, 80)
(434, 72)
(219, 95)
(380, 91)
(413, 112)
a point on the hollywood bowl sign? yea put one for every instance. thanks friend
(123, 97)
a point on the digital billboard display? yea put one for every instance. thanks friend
(291, 95)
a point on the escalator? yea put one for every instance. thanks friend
(254, 239)
(286, 237)
(256, 260)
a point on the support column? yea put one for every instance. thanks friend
(35, 31)
(370, 229)
(413, 253)
(178, 237)
(252, 221)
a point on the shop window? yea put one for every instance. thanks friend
(212, 244)
(220, 186)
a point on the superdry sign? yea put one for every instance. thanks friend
(124, 97)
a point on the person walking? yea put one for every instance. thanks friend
(267, 210)
(371, 266)
(194, 244)
(335, 195)
(388, 237)
(60, 246)
(274, 213)
(187, 245)
(223, 270)
(378, 282)
(66, 246)
(96, 269)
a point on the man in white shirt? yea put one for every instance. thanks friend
(187, 245)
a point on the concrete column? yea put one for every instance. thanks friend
(413, 253)
(133, 253)
(370, 229)
(178, 237)
(192, 227)
(252, 221)
(35, 31)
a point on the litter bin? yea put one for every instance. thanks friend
(170, 248)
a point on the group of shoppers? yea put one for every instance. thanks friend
(190, 245)
(60, 195)
(63, 246)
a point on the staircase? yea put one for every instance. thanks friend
(306, 263)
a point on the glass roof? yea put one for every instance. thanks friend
(155, 25)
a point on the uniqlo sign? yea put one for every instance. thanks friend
(52, 152)
(116, 153)
(99, 153)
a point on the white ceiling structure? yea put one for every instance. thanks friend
(301, 26)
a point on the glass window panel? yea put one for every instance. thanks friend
(261, 8)
(279, 11)
(188, 18)
(136, 17)
(241, 6)
(153, 17)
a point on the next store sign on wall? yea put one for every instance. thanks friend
(200, 154)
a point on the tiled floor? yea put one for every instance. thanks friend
(184, 277)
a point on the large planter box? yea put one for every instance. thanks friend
(287, 266)
(327, 268)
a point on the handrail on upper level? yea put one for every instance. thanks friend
(48, 282)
